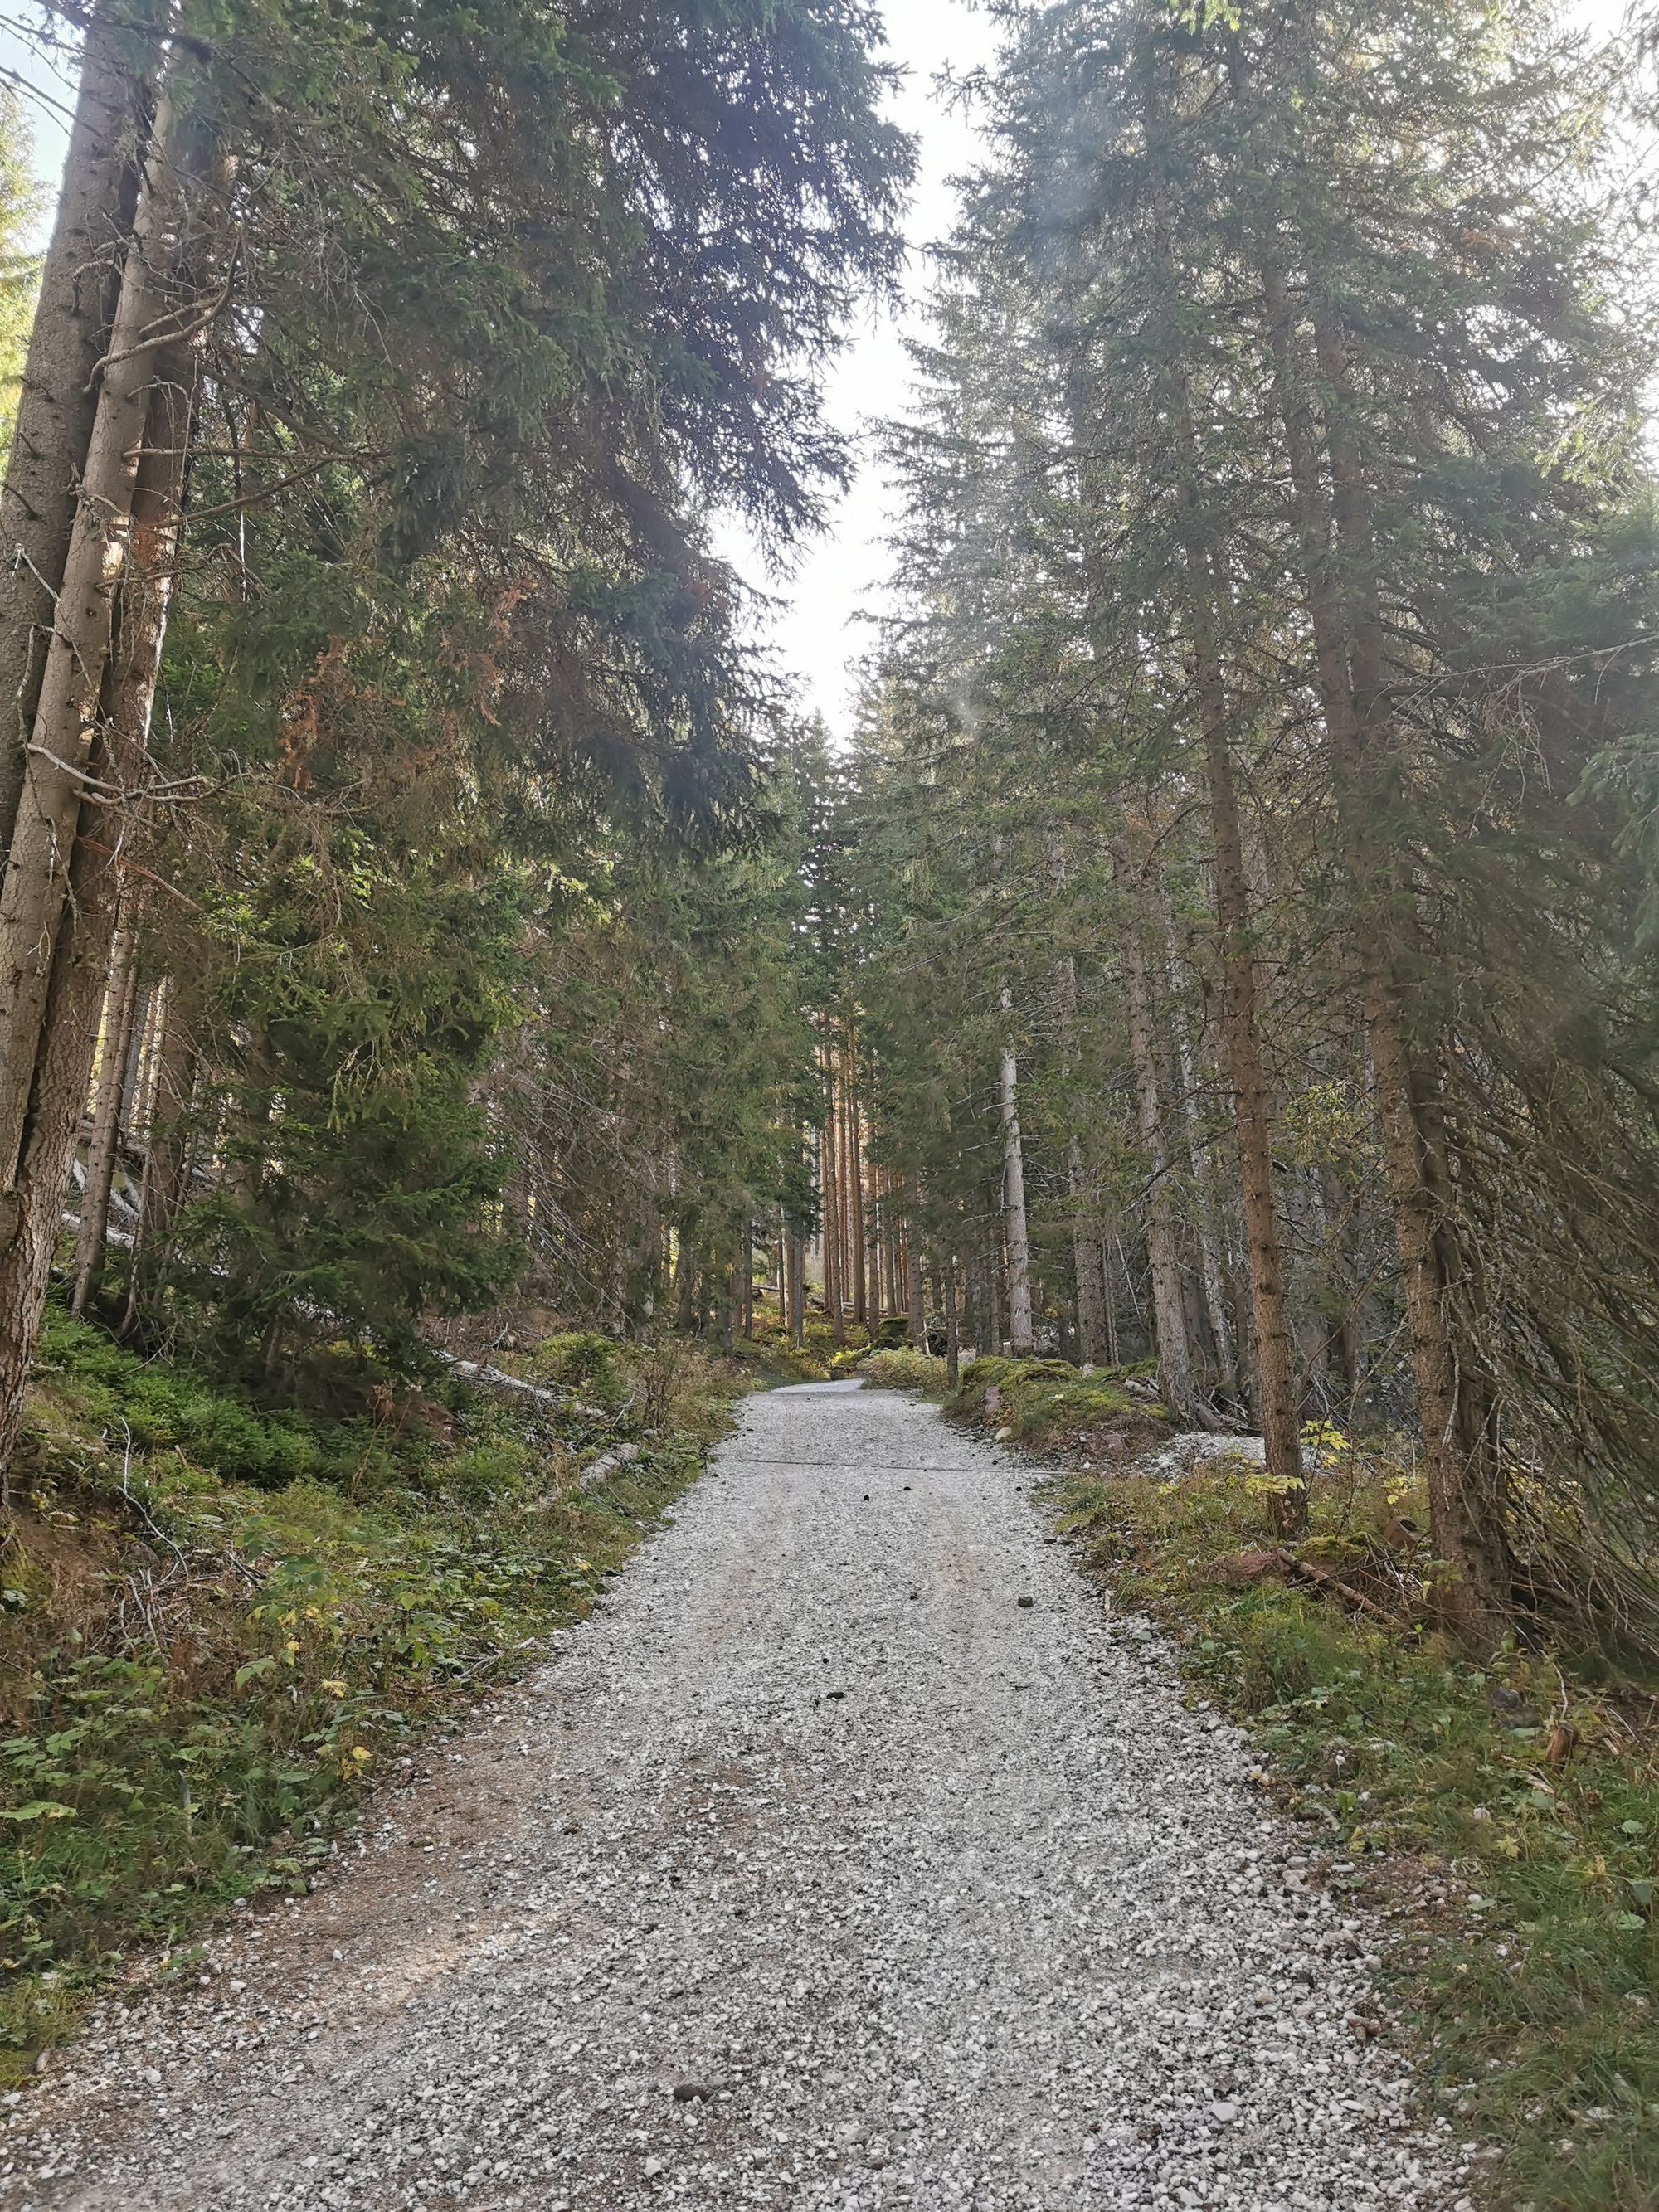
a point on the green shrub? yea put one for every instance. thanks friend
(582, 1360)
(149, 1407)
(1045, 1400)
(905, 1370)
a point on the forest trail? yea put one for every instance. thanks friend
(846, 1857)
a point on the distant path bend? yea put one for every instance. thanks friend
(819, 1870)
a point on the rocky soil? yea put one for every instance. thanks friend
(850, 1856)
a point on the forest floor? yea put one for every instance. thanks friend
(849, 1855)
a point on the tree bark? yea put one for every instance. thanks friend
(1215, 1299)
(61, 745)
(991, 1276)
(855, 1184)
(1090, 1282)
(52, 1036)
(795, 1253)
(1281, 1424)
(104, 1148)
(1175, 1358)
(830, 1175)
(1015, 1233)
(103, 661)
(1089, 1275)
(889, 1239)
(57, 400)
(166, 1157)
(915, 1291)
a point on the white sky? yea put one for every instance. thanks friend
(817, 627)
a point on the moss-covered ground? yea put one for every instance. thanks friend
(218, 1624)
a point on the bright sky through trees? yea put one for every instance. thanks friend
(816, 623)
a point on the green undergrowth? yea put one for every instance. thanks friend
(905, 1369)
(1506, 1815)
(1045, 1404)
(217, 1625)
(768, 1354)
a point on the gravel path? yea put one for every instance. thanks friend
(847, 1857)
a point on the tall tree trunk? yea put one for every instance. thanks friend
(1013, 1200)
(80, 972)
(889, 1232)
(1204, 1209)
(91, 1237)
(952, 1321)
(829, 1171)
(50, 1025)
(134, 1110)
(57, 400)
(1086, 1269)
(59, 754)
(1175, 1359)
(855, 1184)
(166, 1157)
(916, 1289)
(795, 1251)
(1281, 1423)
(1351, 665)
(990, 1272)
(1204, 594)
(1085, 1248)
(1281, 1414)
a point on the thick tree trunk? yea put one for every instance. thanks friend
(59, 754)
(1281, 1412)
(1015, 1233)
(57, 400)
(888, 1237)
(104, 1148)
(80, 972)
(51, 1033)
(952, 1322)
(1204, 594)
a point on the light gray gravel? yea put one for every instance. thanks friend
(820, 1870)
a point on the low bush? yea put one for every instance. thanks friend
(905, 1370)
(1048, 1403)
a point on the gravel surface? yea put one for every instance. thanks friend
(848, 1857)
